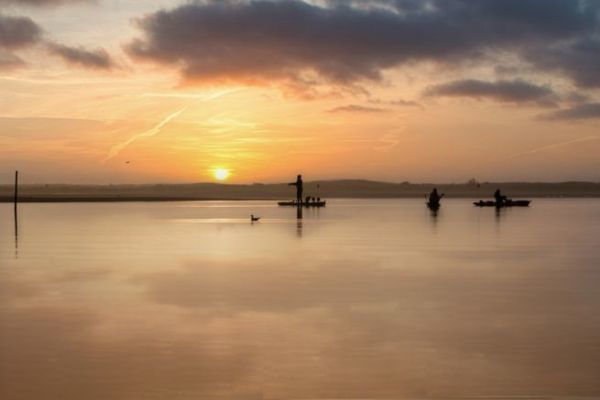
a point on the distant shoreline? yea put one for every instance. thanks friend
(115, 199)
(357, 189)
(5, 200)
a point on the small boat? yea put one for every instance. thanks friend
(507, 203)
(303, 204)
(433, 206)
(253, 218)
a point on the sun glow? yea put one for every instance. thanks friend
(221, 174)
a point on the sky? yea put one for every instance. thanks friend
(130, 91)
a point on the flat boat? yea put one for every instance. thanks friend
(303, 204)
(507, 203)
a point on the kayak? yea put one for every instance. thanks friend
(296, 204)
(433, 206)
(507, 203)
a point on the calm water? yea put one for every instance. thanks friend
(364, 299)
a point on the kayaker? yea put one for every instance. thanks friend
(500, 199)
(299, 189)
(434, 197)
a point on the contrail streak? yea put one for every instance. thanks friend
(116, 149)
(556, 145)
(198, 96)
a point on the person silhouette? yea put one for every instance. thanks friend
(299, 189)
(500, 199)
(434, 198)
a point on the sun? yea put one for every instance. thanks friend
(221, 174)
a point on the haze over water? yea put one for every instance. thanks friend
(362, 299)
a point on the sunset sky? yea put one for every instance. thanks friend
(132, 91)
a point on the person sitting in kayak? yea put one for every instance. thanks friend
(434, 198)
(500, 199)
(299, 188)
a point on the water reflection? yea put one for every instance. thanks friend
(16, 231)
(499, 212)
(299, 212)
(122, 302)
(433, 213)
(299, 215)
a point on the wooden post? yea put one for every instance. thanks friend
(16, 215)
(16, 188)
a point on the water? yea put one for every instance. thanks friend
(373, 299)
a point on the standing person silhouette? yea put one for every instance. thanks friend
(299, 189)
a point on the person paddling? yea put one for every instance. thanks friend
(299, 189)
(500, 199)
(434, 198)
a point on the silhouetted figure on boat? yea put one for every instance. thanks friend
(501, 201)
(434, 199)
(299, 188)
(499, 197)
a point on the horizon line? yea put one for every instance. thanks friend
(486, 182)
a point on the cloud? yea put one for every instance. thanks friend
(98, 58)
(9, 61)
(578, 60)
(397, 102)
(355, 108)
(405, 103)
(259, 42)
(577, 112)
(43, 3)
(18, 32)
(516, 91)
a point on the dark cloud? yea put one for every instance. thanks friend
(576, 97)
(356, 108)
(97, 58)
(261, 41)
(22, 32)
(579, 60)
(401, 6)
(578, 112)
(18, 32)
(516, 91)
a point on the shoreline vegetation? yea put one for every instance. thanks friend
(278, 191)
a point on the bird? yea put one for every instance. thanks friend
(253, 218)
